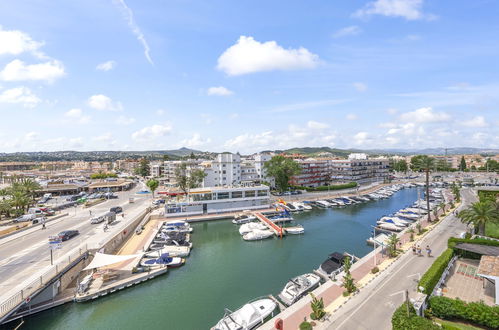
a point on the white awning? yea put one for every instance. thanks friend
(102, 260)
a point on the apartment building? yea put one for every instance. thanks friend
(359, 168)
(314, 173)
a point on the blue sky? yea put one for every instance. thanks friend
(247, 76)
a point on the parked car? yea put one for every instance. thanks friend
(159, 201)
(26, 217)
(67, 234)
(97, 219)
(47, 211)
(116, 209)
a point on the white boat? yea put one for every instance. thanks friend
(248, 227)
(164, 261)
(306, 207)
(240, 219)
(174, 251)
(389, 226)
(291, 207)
(177, 229)
(248, 316)
(324, 204)
(298, 287)
(257, 235)
(380, 239)
(281, 218)
(397, 221)
(298, 206)
(407, 215)
(295, 230)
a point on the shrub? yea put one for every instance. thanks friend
(487, 195)
(451, 243)
(402, 321)
(305, 325)
(433, 274)
(477, 312)
(374, 270)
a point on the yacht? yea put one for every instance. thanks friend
(295, 230)
(162, 261)
(412, 216)
(291, 207)
(298, 287)
(380, 239)
(248, 227)
(389, 226)
(396, 221)
(333, 263)
(281, 218)
(306, 206)
(173, 251)
(298, 206)
(247, 317)
(257, 235)
(177, 229)
(324, 204)
(240, 219)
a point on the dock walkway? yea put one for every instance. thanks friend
(271, 225)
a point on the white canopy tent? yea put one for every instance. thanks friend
(102, 260)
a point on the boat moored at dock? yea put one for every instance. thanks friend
(297, 287)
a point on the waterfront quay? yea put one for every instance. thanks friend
(223, 271)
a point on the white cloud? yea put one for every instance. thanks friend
(137, 32)
(76, 116)
(31, 136)
(15, 42)
(424, 115)
(347, 31)
(408, 9)
(106, 139)
(478, 121)
(195, 142)
(352, 116)
(152, 132)
(160, 112)
(103, 102)
(106, 66)
(249, 56)
(220, 91)
(125, 121)
(392, 111)
(17, 70)
(306, 105)
(361, 138)
(316, 125)
(75, 142)
(21, 95)
(361, 87)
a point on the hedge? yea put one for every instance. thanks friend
(485, 195)
(402, 321)
(451, 243)
(326, 188)
(433, 274)
(476, 312)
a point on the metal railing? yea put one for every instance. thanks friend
(24, 294)
(444, 276)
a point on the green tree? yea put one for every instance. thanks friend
(479, 214)
(348, 282)
(144, 169)
(462, 165)
(188, 178)
(152, 185)
(424, 163)
(166, 157)
(317, 306)
(392, 243)
(282, 169)
(456, 192)
(400, 166)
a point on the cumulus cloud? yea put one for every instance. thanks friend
(124, 120)
(104, 103)
(361, 87)
(478, 121)
(15, 42)
(195, 141)
(77, 116)
(20, 95)
(75, 142)
(106, 66)
(152, 132)
(316, 125)
(17, 70)
(106, 139)
(306, 105)
(352, 116)
(31, 136)
(424, 115)
(362, 138)
(347, 31)
(137, 32)
(408, 9)
(220, 91)
(249, 56)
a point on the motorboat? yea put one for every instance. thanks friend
(291, 207)
(173, 235)
(395, 220)
(324, 204)
(412, 216)
(332, 264)
(298, 287)
(305, 206)
(178, 229)
(176, 223)
(257, 234)
(295, 230)
(172, 242)
(243, 218)
(248, 227)
(281, 218)
(173, 251)
(299, 206)
(380, 239)
(389, 226)
(162, 261)
(248, 316)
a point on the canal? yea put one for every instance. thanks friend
(225, 271)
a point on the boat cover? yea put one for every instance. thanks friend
(102, 260)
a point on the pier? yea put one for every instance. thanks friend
(279, 231)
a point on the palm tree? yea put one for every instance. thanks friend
(441, 207)
(393, 241)
(19, 200)
(426, 163)
(479, 214)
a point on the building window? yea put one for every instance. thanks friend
(249, 193)
(237, 194)
(223, 195)
(262, 193)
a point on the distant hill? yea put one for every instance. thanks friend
(444, 151)
(98, 155)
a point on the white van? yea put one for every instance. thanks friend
(35, 210)
(26, 217)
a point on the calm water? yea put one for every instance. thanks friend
(225, 271)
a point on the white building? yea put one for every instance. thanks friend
(225, 170)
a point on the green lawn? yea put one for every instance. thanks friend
(455, 325)
(492, 230)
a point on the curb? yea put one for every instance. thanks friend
(32, 226)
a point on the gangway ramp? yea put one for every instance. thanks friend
(270, 224)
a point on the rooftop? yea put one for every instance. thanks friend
(489, 266)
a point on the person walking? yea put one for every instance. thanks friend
(419, 250)
(428, 251)
(90, 211)
(414, 249)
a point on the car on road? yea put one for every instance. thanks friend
(26, 217)
(159, 201)
(67, 234)
(116, 209)
(97, 219)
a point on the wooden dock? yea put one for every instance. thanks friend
(279, 231)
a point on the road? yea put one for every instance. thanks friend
(373, 307)
(27, 252)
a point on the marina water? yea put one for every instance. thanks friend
(223, 271)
